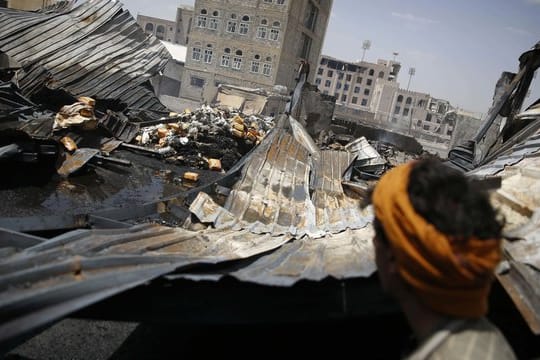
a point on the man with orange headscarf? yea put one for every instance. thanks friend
(437, 243)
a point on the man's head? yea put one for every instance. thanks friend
(437, 236)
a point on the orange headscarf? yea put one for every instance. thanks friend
(451, 277)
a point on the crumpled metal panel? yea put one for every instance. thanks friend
(285, 187)
(344, 255)
(47, 281)
(95, 49)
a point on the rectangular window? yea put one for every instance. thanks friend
(338, 85)
(261, 32)
(397, 110)
(311, 16)
(208, 53)
(274, 34)
(354, 100)
(406, 112)
(356, 89)
(318, 81)
(255, 66)
(320, 71)
(196, 54)
(366, 92)
(213, 24)
(343, 98)
(201, 21)
(231, 26)
(359, 79)
(244, 28)
(340, 75)
(237, 63)
(330, 73)
(369, 82)
(197, 82)
(345, 87)
(349, 77)
(428, 117)
(225, 60)
(364, 102)
(267, 69)
(327, 83)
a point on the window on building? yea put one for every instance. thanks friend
(408, 101)
(400, 98)
(449, 132)
(349, 77)
(231, 26)
(421, 103)
(371, 72)
(381, 74)
(255, 64)
(225, 60)
(276, 24)
(329, 73)
(345, 87)
(244, 28)
(354, 100)
(356, 89)
(343, 98)
(160, 32)
(419, 123)
(306, 46)
(280, 2)
(196, 53)
(311, 16)
(428, 117)
(196, 81)
(397, 110)
(426, 127)
(208, 54)
(215, 13)
(213, 23)
(340, 75)
(262, 32)
(269, 1)
(438, 120)
(364, 102)
(320, 71)
(149, 28)
(338, 85)
(366, 92)
(201, 21)
(318, 81)
(264, 22)
(237, 60)
(359, 79)
(369, 82)
(327, 83)
(406, 112)
(274, 34)
(267, 69)
(204, 12)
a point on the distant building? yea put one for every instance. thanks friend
(176, 31)
(352, 83)
(251, 43)
(27, 4)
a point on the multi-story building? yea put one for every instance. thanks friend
(27, 4)
(352, 83)
(251, 43)
(172, 31)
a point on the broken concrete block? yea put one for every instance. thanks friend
(191, 176)
(214, 164)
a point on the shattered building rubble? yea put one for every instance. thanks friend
(111, 191)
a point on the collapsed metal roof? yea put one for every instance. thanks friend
(93, 49)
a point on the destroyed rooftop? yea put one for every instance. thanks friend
(106, 190)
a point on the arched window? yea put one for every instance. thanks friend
(276, 24)
(264, 22)
(233, 16)
(269, 58)
(400, 98)
(245, 18)
(239, 52)
(227, 50)
(257, 57)
(149, 28)
(204, 12)
(237, 60)
(244, 25)
(215, 13)
(408, 101)
(160, 32)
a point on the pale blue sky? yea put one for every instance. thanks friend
(458, 47)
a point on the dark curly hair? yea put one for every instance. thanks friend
(446, 198)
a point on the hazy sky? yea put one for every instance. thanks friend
(458, 47)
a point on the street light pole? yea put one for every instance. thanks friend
(365, 45)
(412, 71)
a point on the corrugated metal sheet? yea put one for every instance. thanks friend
(288, 186)
(49, 280)
(95, 49)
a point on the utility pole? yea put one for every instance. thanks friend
(412, 71)
(365, 45)
(395, 53)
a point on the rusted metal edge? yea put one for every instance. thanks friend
(517, 283)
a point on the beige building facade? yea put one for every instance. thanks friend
(176, 32)
(251, 43)
(27, 4)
